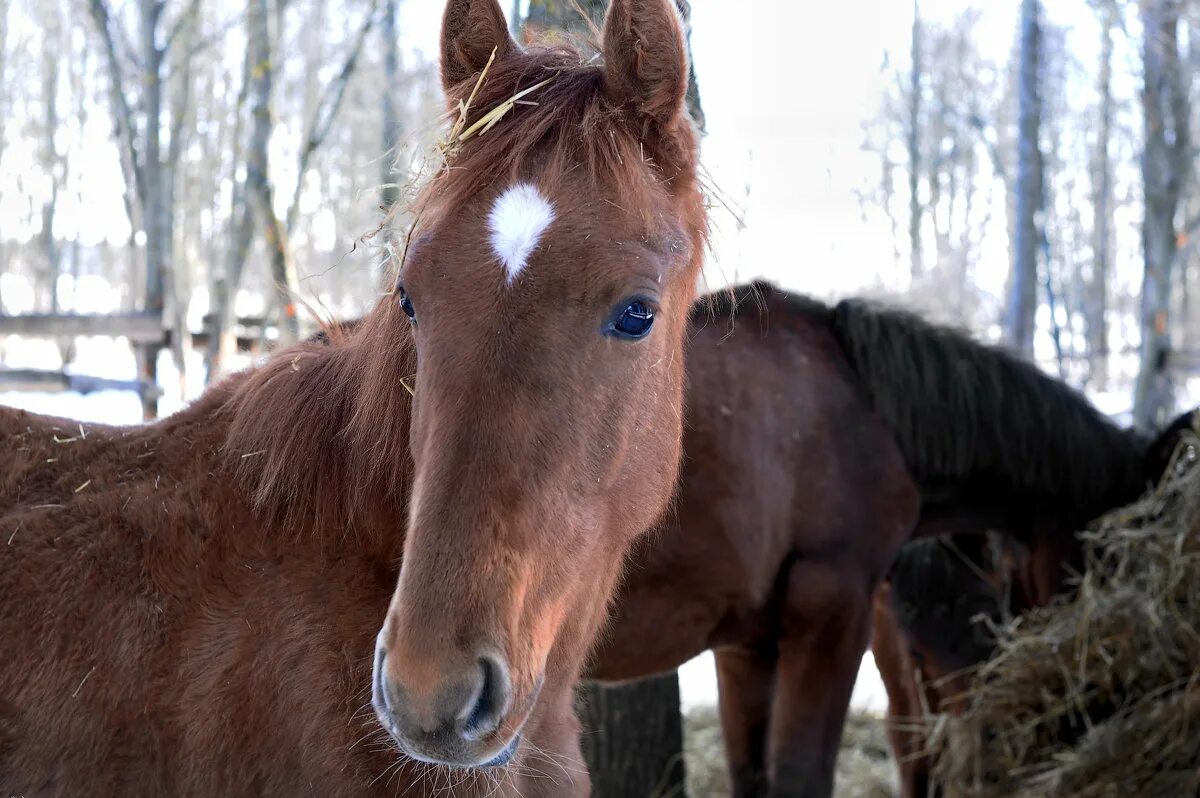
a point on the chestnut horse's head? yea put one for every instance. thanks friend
(547, 286)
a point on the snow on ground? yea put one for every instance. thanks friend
(698, 685)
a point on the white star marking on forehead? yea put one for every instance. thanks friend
(519, 217)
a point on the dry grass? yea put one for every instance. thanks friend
(1099, 696)
(864, 769)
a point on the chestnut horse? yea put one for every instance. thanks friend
(195, 607)
(934, 616)
(818, 440)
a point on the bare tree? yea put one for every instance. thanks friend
(259, 187)
(178, 278)
(1022, 288)
(329, 104)
(389, 192)
(254, 198)
(914, 147)
(139, 129)
(3, 74)
(52, 161)
(1166, 169)
(224, 283)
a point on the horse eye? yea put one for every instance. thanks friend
(407, 306)
(632, 320)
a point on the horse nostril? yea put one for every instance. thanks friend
(379, 690)
(487, 706)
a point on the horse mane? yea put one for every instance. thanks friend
(758, 299)
(319, 433)
(965, 413)
(941, 598)
(976, 415)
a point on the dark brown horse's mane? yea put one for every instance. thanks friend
(977, 415)
(968, 414)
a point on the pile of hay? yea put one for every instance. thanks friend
(864, 767)
(1099, 696)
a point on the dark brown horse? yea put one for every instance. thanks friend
(933, 620)
(195, 607)
(818, 440)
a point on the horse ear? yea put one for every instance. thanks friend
(471, 29)
(645, 58)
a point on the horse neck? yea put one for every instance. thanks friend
(319, 434)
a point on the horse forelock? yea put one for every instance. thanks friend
(568, 125)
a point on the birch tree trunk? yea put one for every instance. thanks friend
(1096, 302)
(389, 192)
(1022, 288)
(1166, 169)
(258, 182)
(914, 148)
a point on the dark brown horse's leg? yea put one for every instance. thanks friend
(825, 625)
(904, 714)
(746, 678)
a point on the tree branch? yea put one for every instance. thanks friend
(327, 109)
(217, 35)
(122, 114)
(182, 97)
(185, 19)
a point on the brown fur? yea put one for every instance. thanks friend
(189, 608)
(792, 502)
(795, 497)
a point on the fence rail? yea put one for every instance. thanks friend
(146, 332)
(142, 328)
(46, 380)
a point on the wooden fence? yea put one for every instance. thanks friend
(146, 333)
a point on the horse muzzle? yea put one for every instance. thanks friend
(460, 722)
